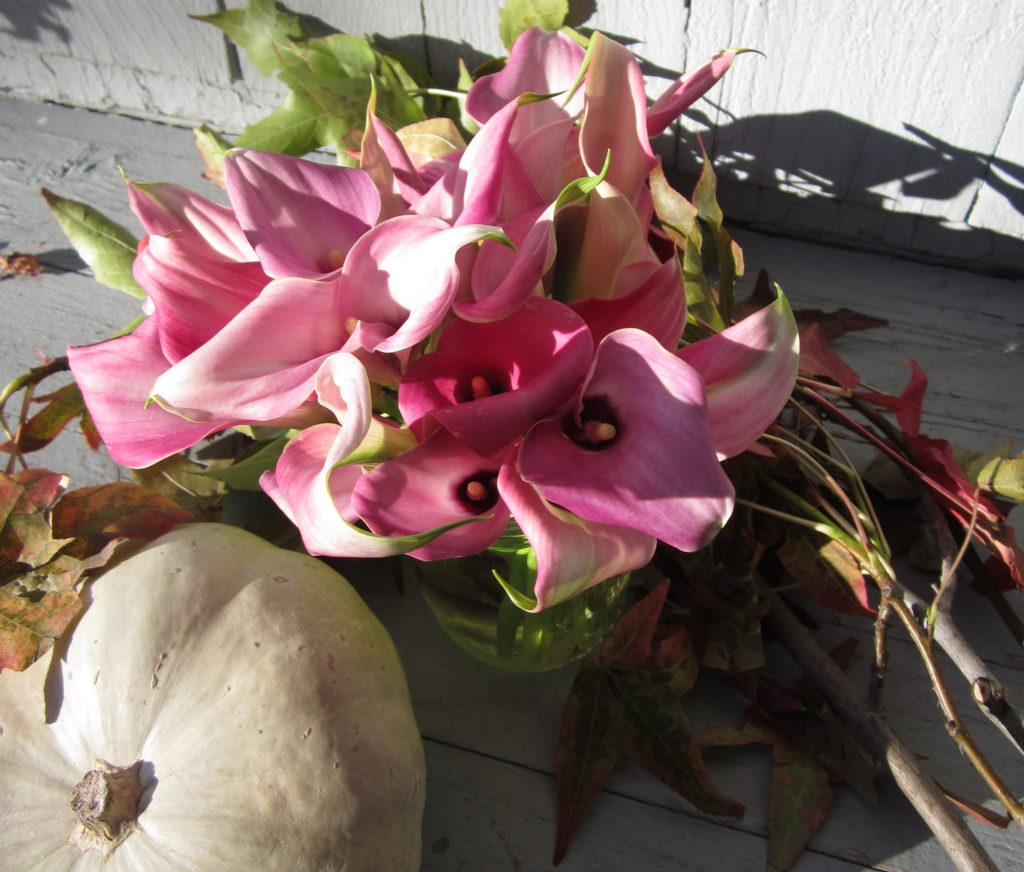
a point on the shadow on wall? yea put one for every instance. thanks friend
(826, 176)
(27, 20)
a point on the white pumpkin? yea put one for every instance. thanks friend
(231, 705)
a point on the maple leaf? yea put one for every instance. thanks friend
(626, 702)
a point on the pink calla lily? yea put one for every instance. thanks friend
(615, 120)
(410, 262)
(439, 482)
(301, 217)
(193, 295)
(540, 62)
(749, 370)
(261, 365)
(488, 383)
(687, 90)
(572, 554)
(164, 209)
(135, 435)
(637, 452)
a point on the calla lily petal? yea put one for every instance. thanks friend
(540, 62)
(410, 262)
(616, 119)
(437, 483)
(194, 296)
(638, 453)
(749, 370)
(164, 208)
(572, 554)
(488, 383)
(301, 217)
(115, 378)
(686, 91)
(261, 365)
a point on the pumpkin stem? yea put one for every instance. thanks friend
(106, 802)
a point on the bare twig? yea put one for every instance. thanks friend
(924, 794)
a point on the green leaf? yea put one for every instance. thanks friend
(827, 570)
(520, 15)
(245, 473)
(107, 247)
(258, 28)
(292, 128)
(62, 406)
(212, 148)
(996, 471)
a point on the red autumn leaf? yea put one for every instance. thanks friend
(801, 797)
(841, 321)
(626, 701)
(28, 627)
(827, 570)
(26, 538)
(95, 516)
(978, 811)
(818, 358)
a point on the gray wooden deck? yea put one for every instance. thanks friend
(490, 737)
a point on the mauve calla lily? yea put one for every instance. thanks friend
(301, 217)
(637, 450)
(488, 383)
(687, 90)
(115, 378)
(311, 485)
(572, 554)
(439, 482)
(164, 209)
(749, 370)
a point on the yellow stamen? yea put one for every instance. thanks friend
(597, 432)
(476, 491)
(335, 258)
(479, 387)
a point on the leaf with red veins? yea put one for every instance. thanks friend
(817, 358)
(637, 450)
(301, 217)
(488, 383)
(437, 483)
(626, 701)
(827, 570)
(749, 371)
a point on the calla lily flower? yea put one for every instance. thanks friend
(410, 262)
(193, 296)
(311, 484)
(636, 452)
(164, 209)
(301, 217)
(615, 120)
(749, 370)
(115, 378)
(488, 383)
(440, 482)
(572, 554)
(687, 90)
(540, 62)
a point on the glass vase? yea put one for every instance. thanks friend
(477, 614)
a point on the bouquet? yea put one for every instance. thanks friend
(493, 340)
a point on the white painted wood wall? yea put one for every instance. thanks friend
(886, 126)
